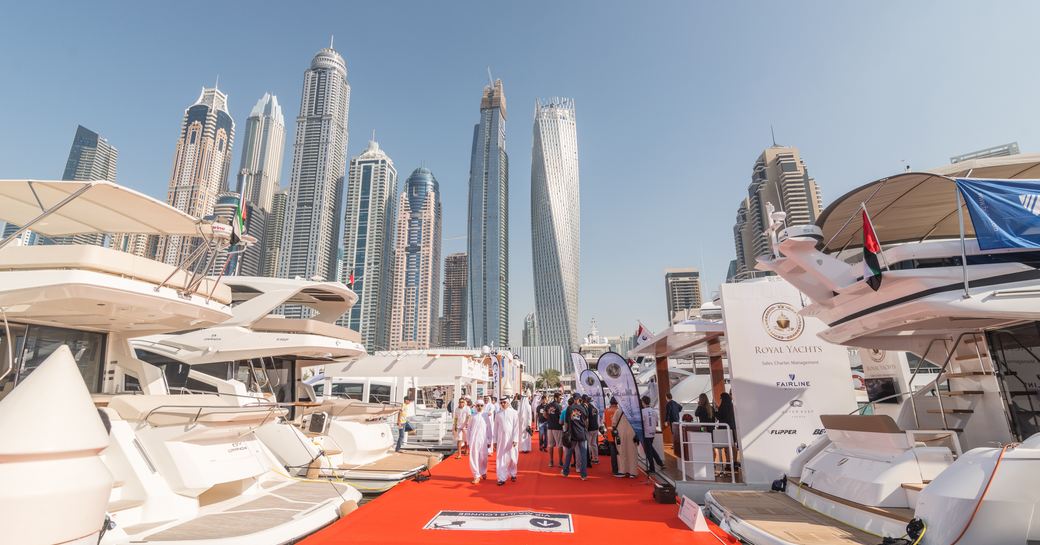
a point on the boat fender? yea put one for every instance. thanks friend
(780, 485)
(347, 508)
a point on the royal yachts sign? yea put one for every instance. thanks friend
(783, 376)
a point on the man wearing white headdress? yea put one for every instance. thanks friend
(459, 422)
(477, 437)
(507, 439)
(525, 425)
(489, 411)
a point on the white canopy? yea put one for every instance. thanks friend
(411, 365)
(100, 207)
(915, 206)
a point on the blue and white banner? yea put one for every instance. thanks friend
(579, 363)
(1005, 213)
(496, 377)
(590, 384)
(618, 377)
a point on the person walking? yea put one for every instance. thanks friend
(593, 429)
(507, 439)
(577, 430)
(553, 412)
(526, 421)
(477, 437)
(672, 412)
(626, 443)
(650, 420)
(403, 426)
(539, 412)
(459, 422)
(611, 436)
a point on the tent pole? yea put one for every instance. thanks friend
(964, 250)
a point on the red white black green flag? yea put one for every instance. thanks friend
(871, 250)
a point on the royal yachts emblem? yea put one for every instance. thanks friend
(613, 370)
(877, 355)
(782, 322)
(1031, 202)
(590, 380)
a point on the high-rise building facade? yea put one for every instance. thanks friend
(682, 290)
(201, 166)
(488, 229)
(368, 244)
(90, 158)
(780, 178)
(555, 222)
(530, 336)
(996, 151)
(453, 322)
(319, 164)
(417, 258)
(263, 146)
(274, 227)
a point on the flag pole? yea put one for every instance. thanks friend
(964, 252)
(881, 250)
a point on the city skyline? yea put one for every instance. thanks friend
(673, 112)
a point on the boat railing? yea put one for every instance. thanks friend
(206, 410)
(716, 431)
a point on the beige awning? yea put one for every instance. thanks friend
(684, 339)
(103, 207)
(915, 206)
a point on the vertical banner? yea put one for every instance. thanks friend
(591, 385)
(496, 377)
(783, 376)
(579, 363)
(617, 375)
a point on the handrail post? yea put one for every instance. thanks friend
(964, 250)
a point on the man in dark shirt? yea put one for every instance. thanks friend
(672, 413)
(576, 426)
(543, 430)
(593, 432)
(555, 427)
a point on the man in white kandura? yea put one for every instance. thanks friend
(525, 425)
(507, 438)
(478, 440)
(458, 426)
(489, 411)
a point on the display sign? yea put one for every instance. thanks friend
(531, 521)
(783, 376)
(618, 377)
(691, 514)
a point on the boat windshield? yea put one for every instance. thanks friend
(32, 344)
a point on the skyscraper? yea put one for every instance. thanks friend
(555, 218)
(779, 177)
(488, 230)
(201, 166)
(319, 164)
(417, 258)
(682, 290)
(90, 158)
(530, 337)
(274, 226)
(259, 174)
(368, 244)
(260, 170)
(453, 323)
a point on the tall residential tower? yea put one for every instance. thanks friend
(201, 165)
(453, 323)
(417, 264)
(488, 230)
(259, 175)
(90, 158)
(319, 164)
(555, 222)
(682, 290)
(368, 244)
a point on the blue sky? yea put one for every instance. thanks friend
(674, 102)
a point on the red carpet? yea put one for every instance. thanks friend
(604, 509)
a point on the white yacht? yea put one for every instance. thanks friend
(260, 355)
(956, 461)
(148, 467)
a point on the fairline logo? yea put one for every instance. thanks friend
(792, 382)
(1031, 202)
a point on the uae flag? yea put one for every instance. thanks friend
(871, 249)
(238, 223)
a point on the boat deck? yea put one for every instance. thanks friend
(603, 509)
(781, 516)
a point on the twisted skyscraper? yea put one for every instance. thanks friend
(555, 229)
(316, 181)
(488, 233)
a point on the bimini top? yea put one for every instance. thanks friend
(915, 206)
(92, 207)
